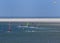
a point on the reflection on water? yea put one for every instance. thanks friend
(28, 27)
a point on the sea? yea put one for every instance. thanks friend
(30, 37)
(15, 34)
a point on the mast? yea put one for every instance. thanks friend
(9, 28)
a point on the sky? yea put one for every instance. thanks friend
(29, 8)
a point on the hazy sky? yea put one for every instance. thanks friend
(29, 8)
